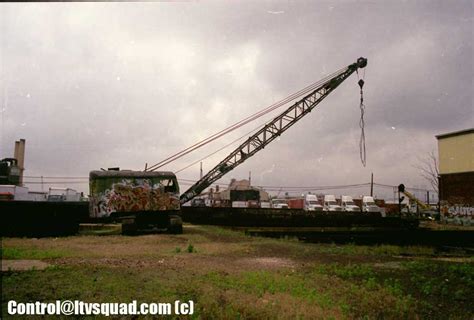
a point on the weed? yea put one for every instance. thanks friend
(393, 286)
(54, 268)
(371, 283)
(380, 250)
(349, 271)
(20, 253)
(116, 268)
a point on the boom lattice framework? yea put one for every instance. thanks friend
(272, 130)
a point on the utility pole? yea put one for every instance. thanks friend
(250, 178)
(372, 184)
(200, 172)
(428, 197)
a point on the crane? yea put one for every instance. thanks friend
(271, 130)
(420, 204)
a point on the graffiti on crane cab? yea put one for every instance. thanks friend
(129, 196)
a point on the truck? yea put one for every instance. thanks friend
(347, 204)
(139, 200)
(330, 203)
(63, 194)
(240, 204)
(368, 205)
(265, 204)
(248, 198)
(14, 192)
(198, 202)
(311, 203)
(279, 204)
(296, 203)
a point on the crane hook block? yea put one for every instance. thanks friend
(361, 83)
(361, 62)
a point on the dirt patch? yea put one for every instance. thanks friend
(454, 259)
(457, 259)
(270, 262)
(195, 264)
(111, 262)
(23, 265)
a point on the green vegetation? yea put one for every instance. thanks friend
(349, 271)
(31, 253)
(430, 285)
(233, 276)
(377, 250)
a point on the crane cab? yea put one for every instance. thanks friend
(140, 200)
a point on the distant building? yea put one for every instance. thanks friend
(456, 169)
(11, 169)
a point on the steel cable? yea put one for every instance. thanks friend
(243, 122)
(362, 152)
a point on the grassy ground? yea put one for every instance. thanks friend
(232, 276)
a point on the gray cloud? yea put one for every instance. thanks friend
(120, 84)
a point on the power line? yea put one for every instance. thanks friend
(56, 182)
(192, 181)
(320, 187)
(55, 177)
(411, 188)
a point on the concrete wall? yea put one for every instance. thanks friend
(456, 152)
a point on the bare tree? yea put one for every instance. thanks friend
(429, 169)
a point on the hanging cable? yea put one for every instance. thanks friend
(362, 153)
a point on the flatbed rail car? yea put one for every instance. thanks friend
(139, 200)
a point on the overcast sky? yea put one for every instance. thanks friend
(92, 85)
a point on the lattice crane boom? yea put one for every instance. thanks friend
(272, 130)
